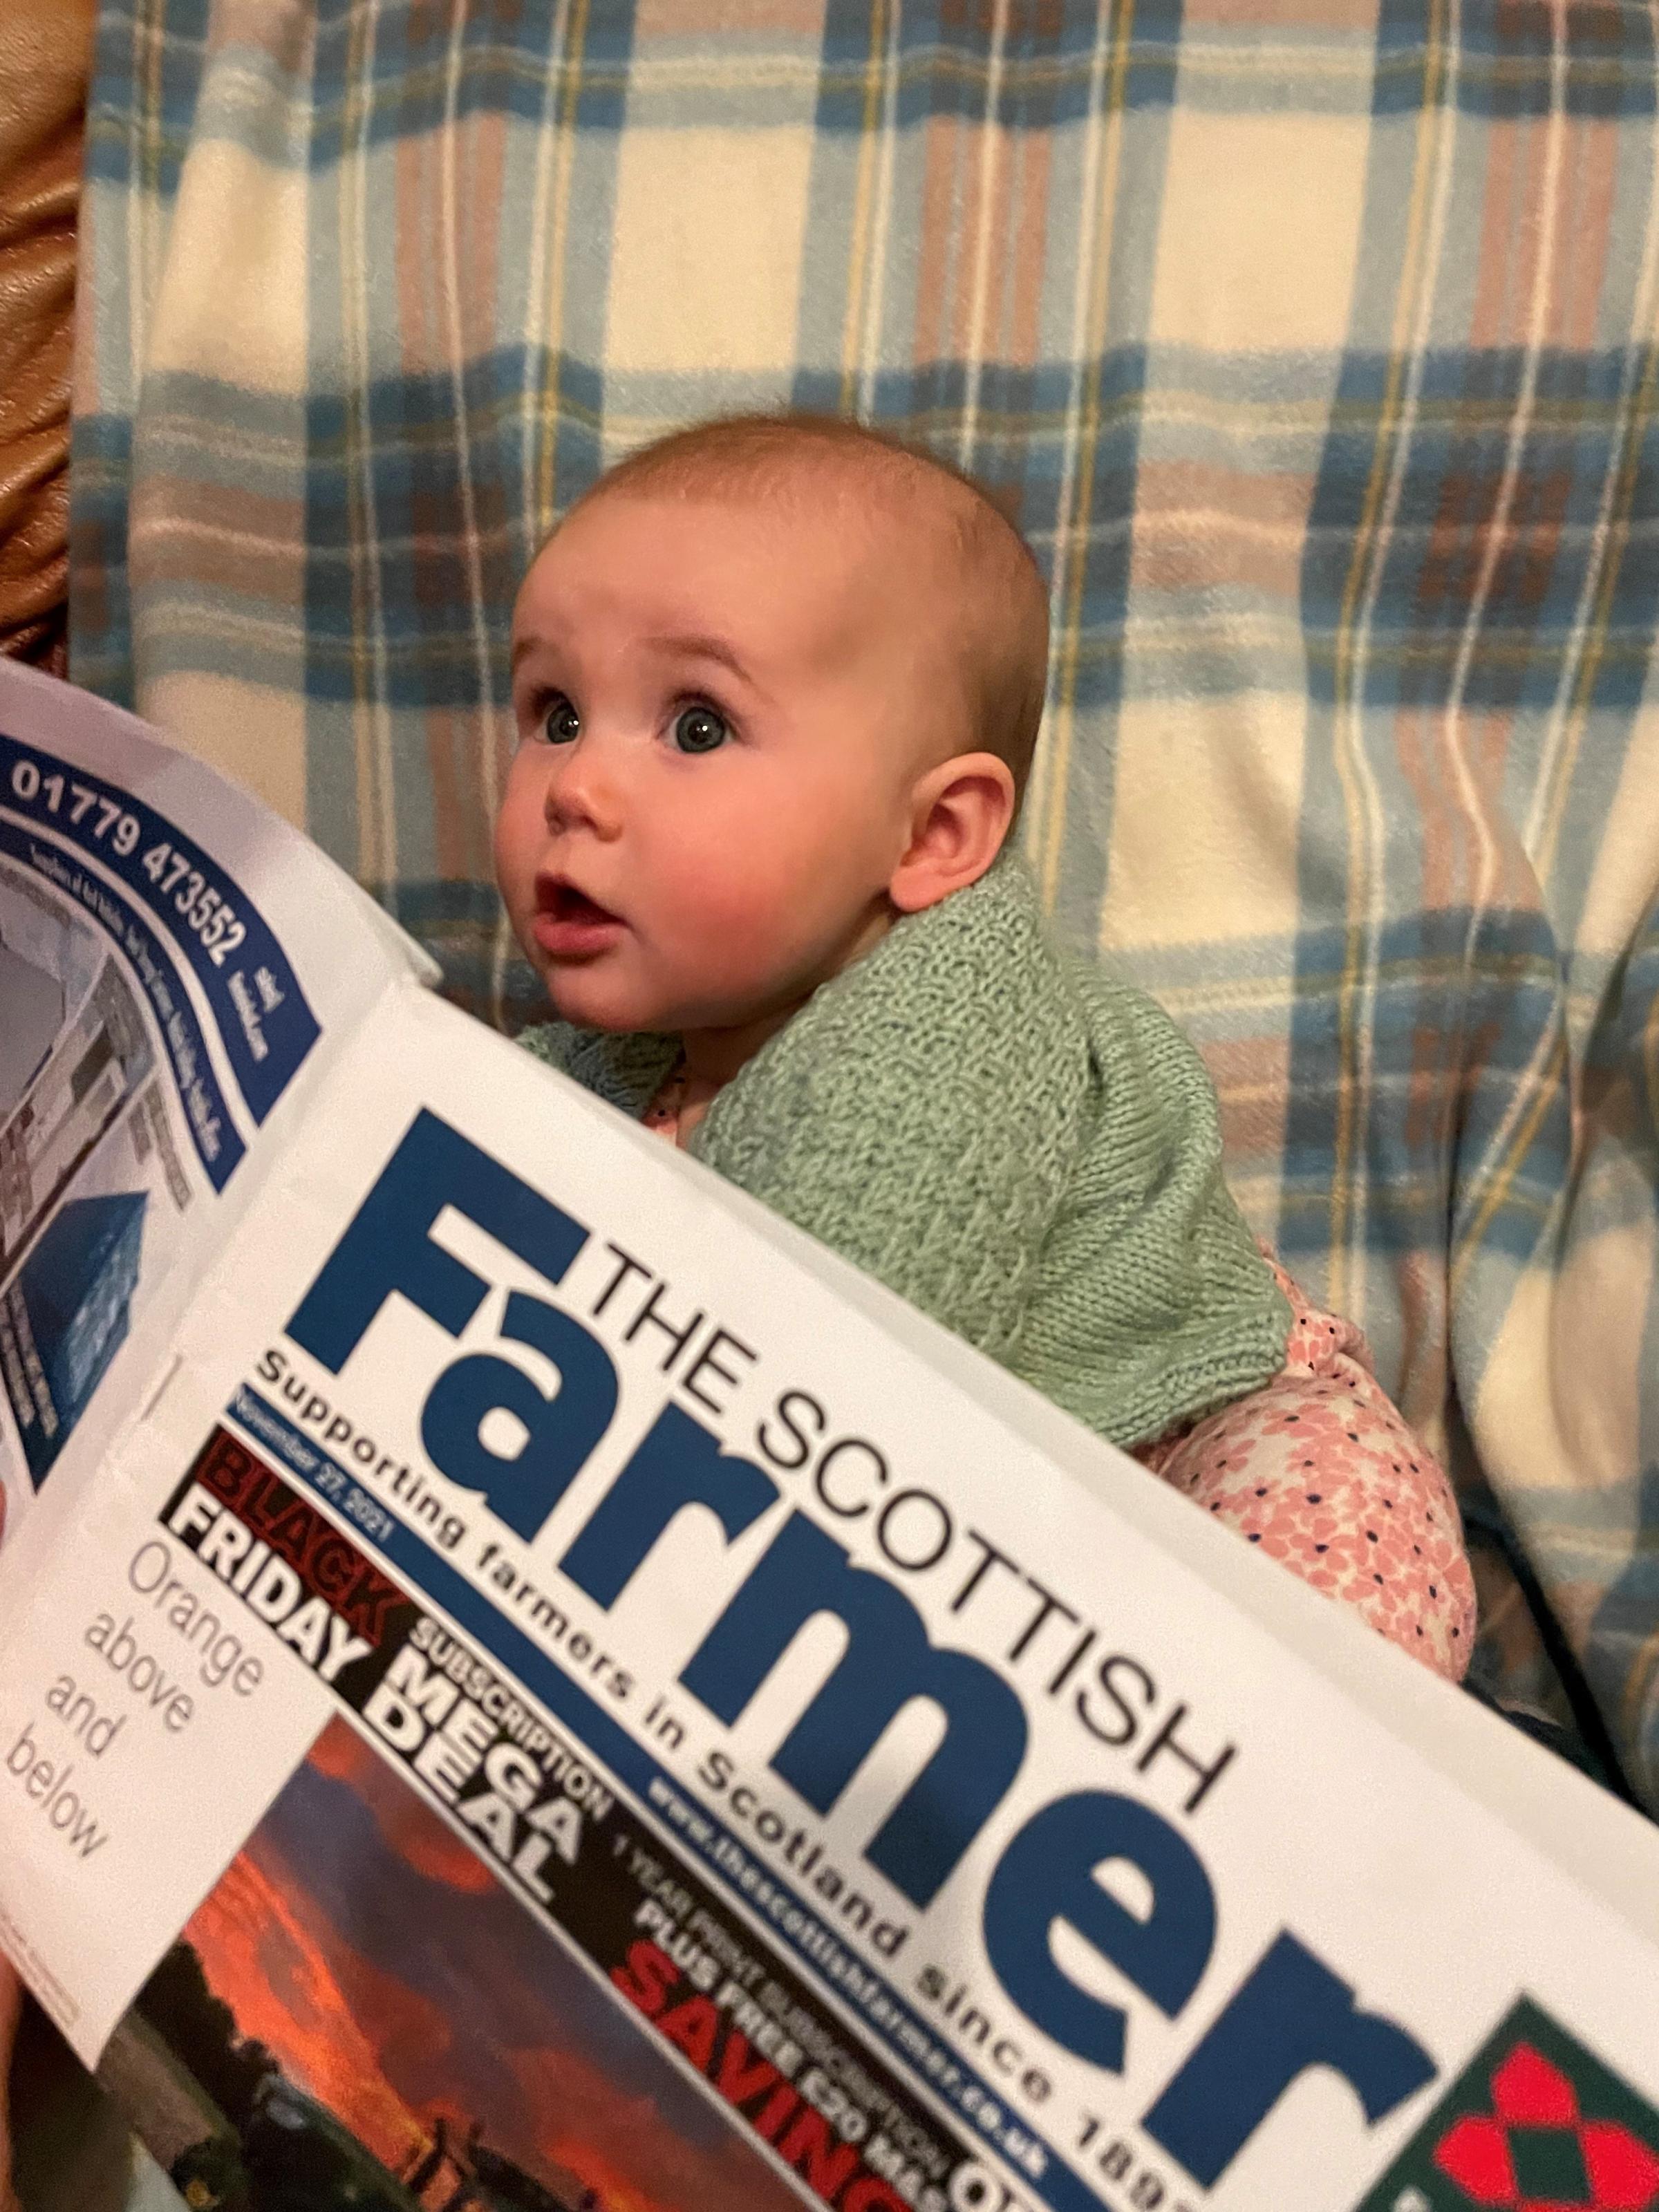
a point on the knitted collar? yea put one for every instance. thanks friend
(1019, 1145)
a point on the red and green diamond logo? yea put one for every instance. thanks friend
(1536, 2123)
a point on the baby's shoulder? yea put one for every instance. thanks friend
(1122, 1015)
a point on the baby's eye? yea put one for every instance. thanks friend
(562, 724)
(700, 730)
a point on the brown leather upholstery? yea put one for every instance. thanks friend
(45, 54)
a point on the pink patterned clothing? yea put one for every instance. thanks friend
(1319, 1467)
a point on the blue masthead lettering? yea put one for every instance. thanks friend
(388, 1248)
(889, 1660)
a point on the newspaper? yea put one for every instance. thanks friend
(524, 1682)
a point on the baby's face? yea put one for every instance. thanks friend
(722, 712)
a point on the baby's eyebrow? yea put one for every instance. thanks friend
(697, 646)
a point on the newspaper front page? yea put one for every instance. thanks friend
(560, 1694)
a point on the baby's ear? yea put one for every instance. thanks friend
(960, 814)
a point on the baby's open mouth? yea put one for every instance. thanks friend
(569, 924)
(564, 903)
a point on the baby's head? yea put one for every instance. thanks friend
(777, 681)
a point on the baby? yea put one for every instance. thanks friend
(777, 683)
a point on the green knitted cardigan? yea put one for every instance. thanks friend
(1022, 1146)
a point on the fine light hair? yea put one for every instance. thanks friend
(998, 602)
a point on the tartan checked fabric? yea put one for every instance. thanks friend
(1315, 343)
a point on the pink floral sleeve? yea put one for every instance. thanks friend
(1319, 1467)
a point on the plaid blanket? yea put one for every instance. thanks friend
(1316, 346)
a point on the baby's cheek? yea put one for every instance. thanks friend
(749, 904)
(520, 836)
(741, 904)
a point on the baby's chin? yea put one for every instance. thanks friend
(582, 993)
(575, 998)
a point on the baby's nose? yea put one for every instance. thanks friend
(583, 790)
